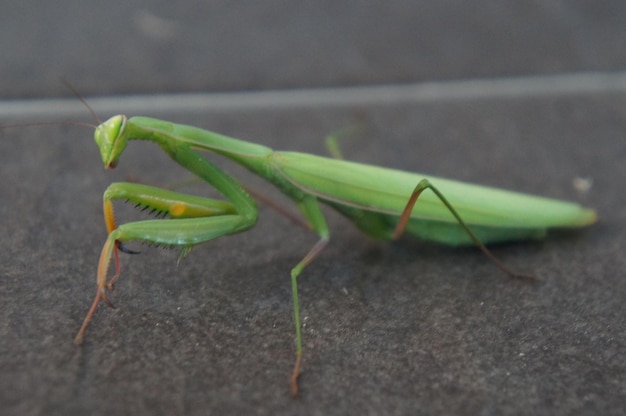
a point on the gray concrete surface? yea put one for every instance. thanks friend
(390, 328)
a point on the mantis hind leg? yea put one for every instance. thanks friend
(406, 215)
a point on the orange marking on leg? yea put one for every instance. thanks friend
(177, 209)
(109, 216)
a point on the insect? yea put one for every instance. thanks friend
(382, 202)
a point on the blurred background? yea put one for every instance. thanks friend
(210, 46)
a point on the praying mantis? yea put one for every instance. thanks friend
(383, 203)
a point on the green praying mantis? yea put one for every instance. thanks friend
(383, 203)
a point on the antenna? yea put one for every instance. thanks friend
(82, 100)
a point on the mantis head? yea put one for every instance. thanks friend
(111, 140)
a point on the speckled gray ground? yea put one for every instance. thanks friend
(400, 328)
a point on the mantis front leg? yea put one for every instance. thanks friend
(194, 221)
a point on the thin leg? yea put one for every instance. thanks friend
(284, 211)
(295, 272)
(332, 140)
(311, 211)
(406, 215)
